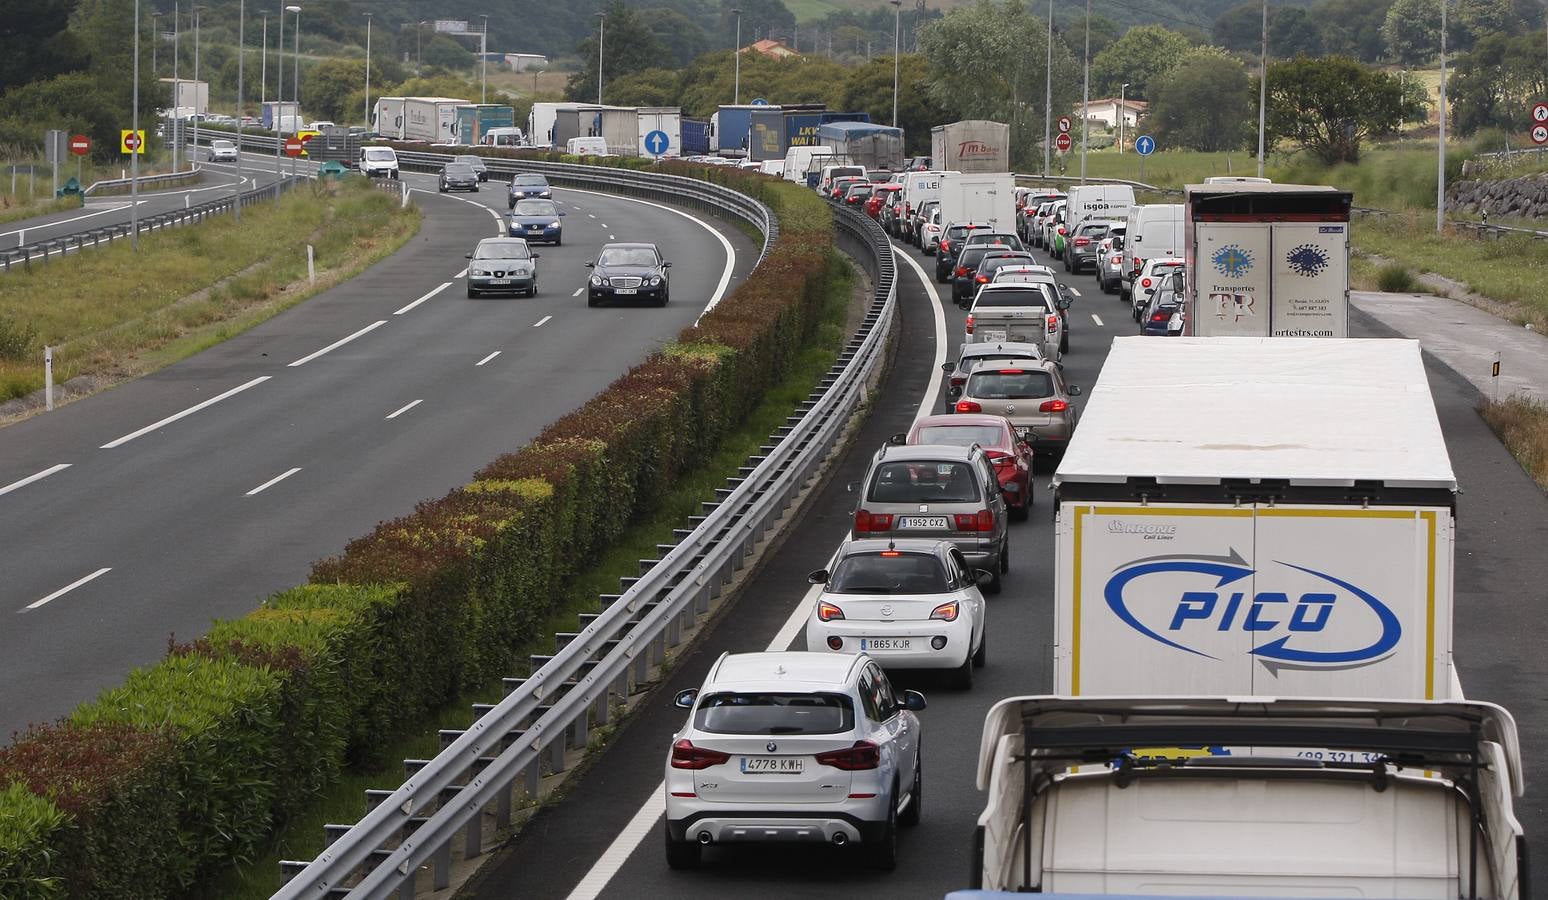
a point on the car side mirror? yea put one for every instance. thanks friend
(1064, 303)
(850, 487)
(1073, 390)
(899, 439)
(818, 577)
(913, 701)
(684, 699)
(666, 265)
(947, 367)
(1177, 282)
(537, 256)
(983, 577)
(563, 214)
(467, 256)
(591, 265)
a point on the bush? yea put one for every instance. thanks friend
(18, 340)
(29, 827)
(1396, 278)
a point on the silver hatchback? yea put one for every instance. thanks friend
(941, 492)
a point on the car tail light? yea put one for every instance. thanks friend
(1081, 242)
(1117, 261)
(982, 279)
(1160, 317)
(969, 406)
(827, 612)
(1053, 406)
(945, 248)
(958, 381)
(983, 520)
(1061, 229)
(1145, 283)
(946, 612)
(863, 755)
(866, 520)
(1012, 371)
(686, 756)
(1138, 262)
(1053, 322)
(961, 271)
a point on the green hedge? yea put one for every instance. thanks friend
(193, 762)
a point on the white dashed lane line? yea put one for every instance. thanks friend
(187, 412)
(273, 481)
(405, 309)
(405, 409)
(68, 588)
(1097, 319)
(31, 478)
(487, 358)
(577, 292)
(339, 343)
(539, 322)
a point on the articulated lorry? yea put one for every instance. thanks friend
(476, 120)
(431, 119)
(666, 119)
(974, 145)
(872, 146)
(1266, 260)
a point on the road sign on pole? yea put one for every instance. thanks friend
(759, 101)
(1144, 145)
(80, 145)
(1540, 134)
(657, 143)
(1063, 142)
(1540, 112)
(131, 141)
(1064, 124)
(292, 146)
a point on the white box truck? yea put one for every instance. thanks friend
(974, 145)
(1266, 260)
(1155, 230)
(1245, 516)
(387, 118)
(665, 119)
(1097, 201)
(540, 122)
(431, 119)
(988, 199)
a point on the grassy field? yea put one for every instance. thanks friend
(187, 288)
(1522, 424)
(344, 802)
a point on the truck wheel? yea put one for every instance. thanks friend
(682, 854)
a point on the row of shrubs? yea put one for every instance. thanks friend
(195, 761)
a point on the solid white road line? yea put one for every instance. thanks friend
(577, 292)
(338, 343)
(31, 478)
(487, 358)
(405, 409)
(539, 322)
(405, 309)
(68, 588)
(617, 853)
(460, 274)
(272, 482)
(1097, 319)
(934, 389)
(187, 412)
(100, 212)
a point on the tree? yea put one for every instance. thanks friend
(628, 46)
(444, 52)
(869, 89)
(649, 87)
(1206, 102)
(1329, 106)
(1144, 52)
(1352, 27)
(1496, 82)
(1104, 32)
(328, 86)
(681, 36)
(1411, 32)
(1240, 28)
(35, 44)
(1292, 32)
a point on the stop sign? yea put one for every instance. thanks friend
(80, 145)
(292, 146)
(1063, 142)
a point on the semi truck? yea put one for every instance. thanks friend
(579, 120)
(985, 199)
(387, 118)
(666, 119)
(1256, 516)
(275, 110)
(730, 129)
(335, 143)
(476, 119)
(619, 126)
(431, 119)
(973, 145)
(696, 137)
(872, 146)
(1266, 260)
(766, 134)
(541, 121)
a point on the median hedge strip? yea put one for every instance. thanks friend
(193, 762)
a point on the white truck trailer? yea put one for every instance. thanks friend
(983, 198)
(431, 119)
(1266, 260)
(973, 145)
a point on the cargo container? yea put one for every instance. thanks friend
(696, 137)
(475, 120)
(578, 120)
(983, 199)
(767, 134)
(620, 127)
(541, 121)
(431, 119)
(1266, 260)
(665, 119)
(274, 109)
(872, 146)
(730, 128)
(335, 143)
(973, 145)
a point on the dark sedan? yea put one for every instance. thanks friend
(524, 186)
(628, 272)
(1157, 317)
(537, 220)
(458, 177)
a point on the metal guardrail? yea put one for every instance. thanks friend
(543, 715)
(1137, 185)
(146, 181)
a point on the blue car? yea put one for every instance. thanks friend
(525, 186)
(1157, 318)
(536, 220)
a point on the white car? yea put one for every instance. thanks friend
(911, 604)
(930, 233)
(1109, 265)
(223, 151)
(1149, 279)
(793, 747)
(1024, 275)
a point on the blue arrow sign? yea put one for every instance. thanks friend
(759, 101)
(1144, 145)
(657, 142)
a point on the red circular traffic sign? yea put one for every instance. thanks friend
(292, 146)
(1063, 142)
(1064, 124)
(1540, 112)
(131, 140)
(1540, 134)
(80, 144)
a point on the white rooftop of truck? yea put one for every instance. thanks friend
(1312, 411)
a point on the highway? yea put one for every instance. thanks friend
(195, 492)
(604, 838)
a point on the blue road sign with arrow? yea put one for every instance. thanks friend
(1144, 145)
(657, 142)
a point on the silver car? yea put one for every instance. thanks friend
(937, 491)
(502, 264)
(1033, 396)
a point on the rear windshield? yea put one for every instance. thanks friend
(961, 435)
(872, 573)
(1029, 384)
(1032, 295)
(775, 714)
(1166, 269)
(924, 481)
(995, 263)
(957, 231)
(1094, 231)
(995, 240)
(841, 171)
(502, 250)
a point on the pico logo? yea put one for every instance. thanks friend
(1308, 629)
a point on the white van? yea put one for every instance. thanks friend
(587, 146)
(1155, 230)
(504, 137)
(1098, 201)
(775, 167)
(799, 160)
(378, 162)
(825, 182)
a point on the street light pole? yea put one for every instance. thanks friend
(295, 161)
(134, 126)
(155, 41)
(897, 21)
(1123, 93)
(1047, 99)
(1440, 161)
(1085, 99)
(368, 71)
(195, 151)
(483, 56)
(177, 86)
(736, 89)
(601, 35)
(278, 119)
(263, 76)
(1263, 88)
(236, 204)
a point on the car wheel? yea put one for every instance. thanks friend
(682, 854)
(962, 676)
(883, 854)
(558, 241)
(910, 816)
(475, 188)
(472, 293)
(1005, 555)
(590, 300)
(1064, 343)
(982, 656)
(1020, 513)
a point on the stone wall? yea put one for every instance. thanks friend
(1523, 198)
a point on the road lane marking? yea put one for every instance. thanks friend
(460, 274)
(405, 309)
(89, 215)
(338, 343)
(405, 409)
(68, 588)
(927, 405)
(487, 358)
(539, 322)
(612, 237)
(15, 485)
(187, 412)
(272, 482)
(1097, 319)
(577, 292)
(590, 215)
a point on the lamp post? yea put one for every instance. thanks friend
(1122, 114)
(736, 89)
(601, 34)
(279, 105)
(483, 56)
(897, 21)
(295, 161)
(236, 201)
(1085, 99)
(1440, 160)
(155, 42)
(1048, 98)
(177, 86)
(263, 74)
(134, 158)
(368, 71)
(1263, 88)
(196, 114)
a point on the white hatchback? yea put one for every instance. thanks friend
(911, 604)
(794, 747)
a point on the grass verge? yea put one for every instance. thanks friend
(114, 313)
(1522, 424)
(15, 212)
(344, 801)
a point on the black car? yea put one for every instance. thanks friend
(523, 186)
(458, 177)
(628, 272)
(964, 276)
(952, 239)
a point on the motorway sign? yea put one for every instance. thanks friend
(1063, 143)
(1144, 145)
(1064, 124)
(80, 145)
(292, 146)
(131, 141)
(657, 142)
(759, 101)
(1540, 112)
(1540, 134)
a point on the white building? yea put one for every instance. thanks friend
(1105, 111)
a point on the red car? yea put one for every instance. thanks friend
(1011, 456)
(841, 186)
(880, 195)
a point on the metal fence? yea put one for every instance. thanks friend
(439, 810)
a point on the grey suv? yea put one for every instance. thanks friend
(941, 492)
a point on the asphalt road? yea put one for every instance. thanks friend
(574, 848)
(194, 492)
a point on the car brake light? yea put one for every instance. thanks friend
(946, 612)
(982, 279)
(827, 612)
(1145, 283)
(889, 553)
(1160, 317)
(1061, 229)
(970, 323)
(961, 271)
(1053, 322)
(958, 381)
(1012, 371)
(1081, 242)
(968, 406)
(869, 521)
(945, 248)
(1138, 262)
(983, 520)
(1117, 261)
(686, 756)
(863, 755)
(1053, 406)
